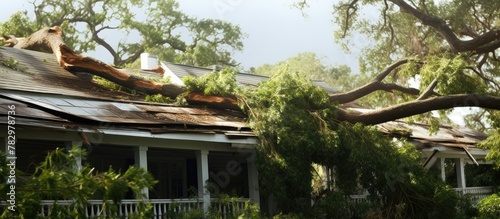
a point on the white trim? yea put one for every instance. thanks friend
(169, 73)
(442, 170)
(447, 152)
(202, 167)
(460, 168)
(253, 182)
(210, 137)
(141, 161)
(187, 141)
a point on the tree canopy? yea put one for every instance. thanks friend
(155, 26)
(312, 67)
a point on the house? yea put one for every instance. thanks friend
(448, 147)
(190, 150)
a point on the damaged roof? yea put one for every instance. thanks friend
(445, 136)
(46, 94)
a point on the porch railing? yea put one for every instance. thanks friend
(162, 208)
(476, 193)
(228, 208)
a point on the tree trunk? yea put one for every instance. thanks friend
(50, 40)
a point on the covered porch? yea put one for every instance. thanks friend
(453, 162)
(451, 150)
(193, 169)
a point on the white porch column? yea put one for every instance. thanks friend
(460, 168)
(441, 167)
(202, 167)
(78, 158)
(141, 161)
(253, 182)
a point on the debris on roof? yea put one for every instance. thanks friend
(446, 135)
(46, 95)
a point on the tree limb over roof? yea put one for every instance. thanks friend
(50, 40)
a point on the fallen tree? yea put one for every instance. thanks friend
(50, 40)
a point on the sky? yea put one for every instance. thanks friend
(275, 30)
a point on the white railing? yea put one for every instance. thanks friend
(358, 198)
(228, 208)
(476, 193)
(162, 208)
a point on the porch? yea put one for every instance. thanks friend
(162, 208)
(192, 172)
(454, 164)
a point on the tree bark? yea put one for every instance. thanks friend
(50, 40)
(418, 107)
(484, 43)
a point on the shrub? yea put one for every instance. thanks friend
(489, 207)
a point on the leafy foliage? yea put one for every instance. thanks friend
(59, 178)
(311, 66)
(493, 144)
(489, 207)
(111, 85)
(221, 83)
(452, 74)
(157, 98)
(294, 120)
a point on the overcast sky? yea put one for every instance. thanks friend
(275, 29)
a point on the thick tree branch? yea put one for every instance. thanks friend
(486, 42)
(418, 107)
(373, 86)
(50, 40)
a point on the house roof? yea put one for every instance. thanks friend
(46, 95)
(447, 139)
(244, 79)
(448, 136)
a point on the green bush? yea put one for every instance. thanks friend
(489, 207)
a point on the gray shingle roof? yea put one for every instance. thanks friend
(46, 93)
(244, 79)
